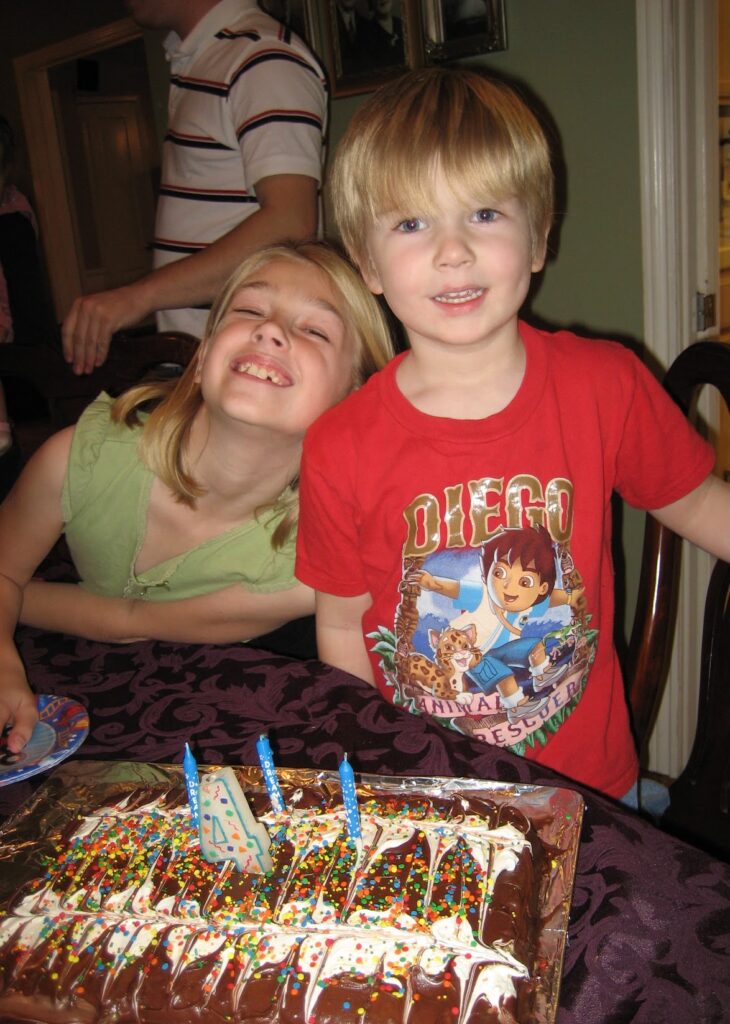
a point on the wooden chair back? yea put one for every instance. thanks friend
(131, 357)
(700, 797)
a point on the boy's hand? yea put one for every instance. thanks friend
(439, 584)
(19, 711)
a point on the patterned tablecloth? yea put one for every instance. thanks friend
(649, 933)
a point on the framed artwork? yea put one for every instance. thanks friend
(299, 15)
(461, 28)
(369, 42)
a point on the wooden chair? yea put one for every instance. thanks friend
(699, 810)
(131, 357)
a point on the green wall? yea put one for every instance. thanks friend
(580, 60)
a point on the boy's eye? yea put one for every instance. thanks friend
(410, 224)
(485, 216)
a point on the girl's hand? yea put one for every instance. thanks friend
(19, 710)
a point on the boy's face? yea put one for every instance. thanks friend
(458, 277)
(513, 587)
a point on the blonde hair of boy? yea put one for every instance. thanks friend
(167, 427)
(477, 131)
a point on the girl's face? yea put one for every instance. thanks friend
(282, 353)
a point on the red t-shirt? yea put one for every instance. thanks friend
(392, 498)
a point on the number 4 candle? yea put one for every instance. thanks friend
(228, 829)
(192, 785)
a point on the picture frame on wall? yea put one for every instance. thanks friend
(370, 42)
(462, 28)
(300, 16)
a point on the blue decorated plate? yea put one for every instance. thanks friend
(62, 727)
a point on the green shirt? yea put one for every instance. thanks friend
(104, 506)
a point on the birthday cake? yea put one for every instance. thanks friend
(441, 913)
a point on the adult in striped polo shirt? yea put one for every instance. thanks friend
(241, 167)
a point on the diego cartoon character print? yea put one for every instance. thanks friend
(493, 640)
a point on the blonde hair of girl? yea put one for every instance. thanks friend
(174, 404)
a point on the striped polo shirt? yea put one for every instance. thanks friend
(247, 100)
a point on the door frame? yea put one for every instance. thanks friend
(677, 60)
(42, 134)
(677, 95)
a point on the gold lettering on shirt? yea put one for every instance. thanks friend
(454, 517)
(424, 525)
(485, 517)
(491, 506)
(524, 502)
(559, 504)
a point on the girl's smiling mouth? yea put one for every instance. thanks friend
(262, 369)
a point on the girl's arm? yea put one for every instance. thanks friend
(340, 640)
(225, 616)
(30, 524)
(702, 517)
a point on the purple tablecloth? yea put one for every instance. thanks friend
(649, 935)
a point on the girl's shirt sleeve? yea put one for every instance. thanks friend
(92, 430)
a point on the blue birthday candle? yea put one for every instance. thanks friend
(192, 783)
(266, 758)
(349, 799)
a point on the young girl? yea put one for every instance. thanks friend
(181, 520)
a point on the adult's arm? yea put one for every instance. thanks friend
(225, 616)
(340, 640)
(30, 523)
(287, 210)
(702, 517)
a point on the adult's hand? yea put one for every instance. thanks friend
(288, 209)
(92, 320)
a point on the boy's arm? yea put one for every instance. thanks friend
(30, 523)
(230, 615)
(702, 517)
(340, 640)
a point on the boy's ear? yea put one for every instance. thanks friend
(538, 259)
(370, 275)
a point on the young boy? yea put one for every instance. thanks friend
(443, 194)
